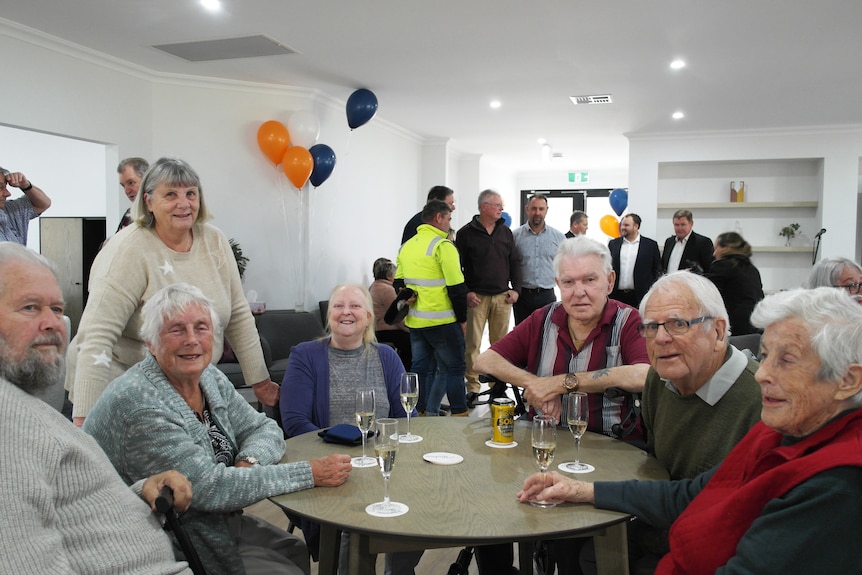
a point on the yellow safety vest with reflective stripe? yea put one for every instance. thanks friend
(428, 262)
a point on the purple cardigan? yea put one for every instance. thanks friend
(305, 388)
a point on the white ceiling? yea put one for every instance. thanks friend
(435, 65)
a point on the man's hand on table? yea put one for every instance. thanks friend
(542, 390)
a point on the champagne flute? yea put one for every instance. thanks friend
(577, 416)
(409, 397)
(386, 448)
(544, 442)
(364, 421)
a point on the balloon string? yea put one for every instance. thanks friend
(302, 229)
(283, 195)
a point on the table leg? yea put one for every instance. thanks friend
(612, 551)
(330, 543)
(525, 556)
(361, 561)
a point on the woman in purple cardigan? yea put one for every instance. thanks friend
(322, 376)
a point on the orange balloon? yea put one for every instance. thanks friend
(273, 140)
(610, 225)
(297, 164)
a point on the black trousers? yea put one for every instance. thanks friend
(530, 300)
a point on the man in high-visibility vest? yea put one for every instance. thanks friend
(428, 263)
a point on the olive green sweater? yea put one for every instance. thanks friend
(689, 436)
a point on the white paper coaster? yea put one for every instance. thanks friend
(359, 462)
(412, 438)
(569, 467)
(443, 458)
(392, 510)
(490, 443)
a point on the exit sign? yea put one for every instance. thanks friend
(579, 177)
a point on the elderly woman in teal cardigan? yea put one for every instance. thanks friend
(173, 410)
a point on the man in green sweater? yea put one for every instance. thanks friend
(700, 396)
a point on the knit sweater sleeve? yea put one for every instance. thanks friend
(658, 503)
(146, 428)
(811, 529)
(240, 331)
(118, 280)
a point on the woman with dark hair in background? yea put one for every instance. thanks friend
(737, 280)
(383, 294)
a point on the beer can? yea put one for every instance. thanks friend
(502, 420)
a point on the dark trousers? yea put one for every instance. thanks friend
(531, 299)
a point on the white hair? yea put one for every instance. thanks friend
(834, 325)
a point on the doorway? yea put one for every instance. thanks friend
(71, 244)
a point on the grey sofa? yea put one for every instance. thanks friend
(279, 331)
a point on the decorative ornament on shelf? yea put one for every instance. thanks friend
(241, 260)
(789, 232)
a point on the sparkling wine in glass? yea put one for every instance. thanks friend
(577, 416)
(544, 440)
(409, 397)
(386, 448)
(364, 421)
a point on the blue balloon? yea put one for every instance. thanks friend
(324, 163)
(507, 219)
(361, 107)
(619, 199)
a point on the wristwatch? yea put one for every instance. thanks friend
(251, 459)
(571, 383)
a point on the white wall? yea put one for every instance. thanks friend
(354, 217)
(836, 151)
(67, 170)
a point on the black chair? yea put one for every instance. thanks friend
(749, 342)
(165, 505)
(497, 389)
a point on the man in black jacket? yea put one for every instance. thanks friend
(686, 250)
(492, 272)
(635, 260)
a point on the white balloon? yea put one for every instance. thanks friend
(304, 129)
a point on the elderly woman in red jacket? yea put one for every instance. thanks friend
(787, 499)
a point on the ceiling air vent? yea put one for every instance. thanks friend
(595, 99)
(227, 48)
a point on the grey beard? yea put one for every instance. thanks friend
(33, 374)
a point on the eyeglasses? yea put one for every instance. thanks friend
(852, 288)
(498, 206)
(672, 327)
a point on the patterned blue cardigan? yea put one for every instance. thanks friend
(146, 427)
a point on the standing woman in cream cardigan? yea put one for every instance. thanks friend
(168, 242)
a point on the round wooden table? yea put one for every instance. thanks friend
(470, 503)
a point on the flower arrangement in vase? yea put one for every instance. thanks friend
(789, 232)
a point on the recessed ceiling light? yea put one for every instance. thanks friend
(211, 4)
(496, 104)
(677, 65)
(678, 116)
(541, 141)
